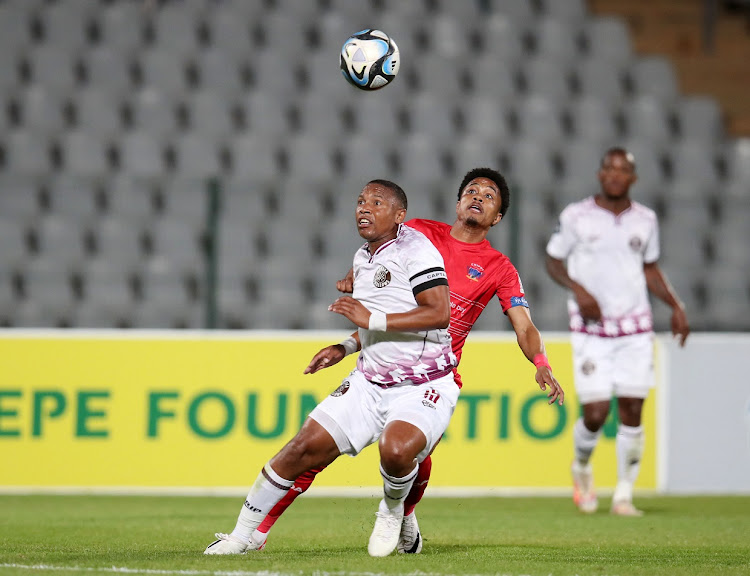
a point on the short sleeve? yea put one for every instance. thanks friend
(651, 253)
(510, 291)
(563, 238)
(425, 266)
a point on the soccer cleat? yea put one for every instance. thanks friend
(410, 539)
(625, 508)
(257, 541)
(386, 532)
(584, 495)
(226, 544)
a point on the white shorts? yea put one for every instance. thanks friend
(356, 413)
(604, 367)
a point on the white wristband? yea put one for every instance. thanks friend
(350, 345)
(377, 321)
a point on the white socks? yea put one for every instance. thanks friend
(395, 490)
(584, 441)
(629, 447)
(267, 490)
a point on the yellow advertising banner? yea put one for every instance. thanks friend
(204, 410)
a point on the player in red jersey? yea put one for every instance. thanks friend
(476, 274)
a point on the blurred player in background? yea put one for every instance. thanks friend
(476, 274)
(611, 246)
(402, 393)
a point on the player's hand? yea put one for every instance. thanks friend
(548, 382)
(326, 357)
(353, 309)
(346, 285)
(680, 326)
(587, 304)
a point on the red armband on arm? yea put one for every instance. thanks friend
(541, 360)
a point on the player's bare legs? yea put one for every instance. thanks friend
(399, 445)
(586, 432)
(629, 447)
(312, 447)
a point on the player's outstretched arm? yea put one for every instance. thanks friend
(660, 287)
(531, 344)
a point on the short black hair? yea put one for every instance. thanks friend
(398, 192)
(619, 151)
(496, 177)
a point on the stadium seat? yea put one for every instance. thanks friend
(608, 38)
(97, 112)
(556, 40)
(65, 25)
(220, 72)
(592, 119)
(118, 241)
(209, 115)
(700, 117)
(547, 78)
(432, 116)
(73, 198)
(502, 38)
(14, 240)
(163, 72)
(646, 117)
(540, 119)
(26, 154)
(654, 75)
(130, 199)
(107, 71)
(41, 112)
(141, 155)
(120, 27)
(196, 157)
(84, 154)
(174, 29)
(485, 118)
(596, 76)
(153, 112)
(695, 160)
(52, 69)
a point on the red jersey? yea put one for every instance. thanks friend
(476, 273)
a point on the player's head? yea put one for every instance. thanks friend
(381, 208)
(487, 188)
(617, 173)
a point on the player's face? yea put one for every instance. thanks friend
(378, 214)
(616, 175)
(480, 203)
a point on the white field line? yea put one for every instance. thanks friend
(156, 572)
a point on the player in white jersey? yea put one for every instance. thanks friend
(610, 244)
(402, 393)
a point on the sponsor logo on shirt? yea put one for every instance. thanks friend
(382, 277)
(431, 397)
(518, 301)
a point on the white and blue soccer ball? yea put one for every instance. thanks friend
(370, 59)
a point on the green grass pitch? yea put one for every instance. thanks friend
(155, 535)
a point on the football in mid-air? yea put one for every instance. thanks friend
(370, 59)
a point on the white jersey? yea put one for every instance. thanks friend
(388, 281)
(605, 253)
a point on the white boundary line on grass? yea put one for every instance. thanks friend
(157, 572)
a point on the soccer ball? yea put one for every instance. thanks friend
(370, 59)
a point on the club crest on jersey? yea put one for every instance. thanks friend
(635, 244)
(474, 272)
(382, 277)
(341, 390)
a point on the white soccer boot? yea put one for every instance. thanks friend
(584, 495)
(625, 508)
(226, 544)
(410, 539)
(385, 534)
